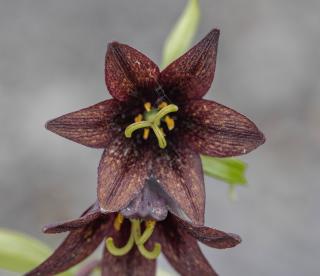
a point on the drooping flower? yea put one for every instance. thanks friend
(156, 126)
(134, 239)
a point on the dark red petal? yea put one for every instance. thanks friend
(213, 129)
(78, 245)
(181, 250)
(133, 264)
(191, 75)
(178, 170)
(127, 71)
(89, 268)
(90, 215)
(122, 173)
(94, 126)
(210, 236)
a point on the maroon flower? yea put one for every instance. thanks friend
(156, 126)
(128, 251)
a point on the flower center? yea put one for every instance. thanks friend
(151, 119)
(135, 238)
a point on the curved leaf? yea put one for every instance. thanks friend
(229, 170)
(20, 252)
(181, 36)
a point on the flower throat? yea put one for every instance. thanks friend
(152, 119)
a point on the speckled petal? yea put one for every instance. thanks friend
(209, 236)
(87, 217)
(132, 264)
(122, 173)
(213, 129)
(94, 126)
(178, 171)
(127, 71)
(182, 250)
(78, 245)
(191, 75)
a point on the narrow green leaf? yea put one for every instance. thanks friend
(20, 252)
(181, 36)
(229, 170)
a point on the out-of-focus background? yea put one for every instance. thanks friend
(52, 62)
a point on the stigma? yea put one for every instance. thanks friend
(152, 118)
(136, 238)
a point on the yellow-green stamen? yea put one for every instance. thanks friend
(152, 120)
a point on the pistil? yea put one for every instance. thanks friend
(135, 238)
(152, 119)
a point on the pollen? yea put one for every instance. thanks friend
(118, 222)
(146, 132)
(162, 105)
(147, 106)
(170, 122)
(138, 118)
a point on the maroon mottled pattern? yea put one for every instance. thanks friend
(94, 126)
(215, 130)
(178, 170)
(182, 250)
(209, 236)
(191, 75)
(122, 173)
(90, 215)
(132, 264)
(78, 245)
(127, 71)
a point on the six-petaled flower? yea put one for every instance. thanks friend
(134, 238)
(156, 126)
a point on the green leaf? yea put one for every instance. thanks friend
(180, 38)
(229, 170)
(20, 252)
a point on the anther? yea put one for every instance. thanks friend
(169, 121)
(162, 105)
(138, 118)
(146, 132)
(118, 222)
(147, 106)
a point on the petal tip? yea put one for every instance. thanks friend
(48, 125)
(237, 238)
(47, 229)
(213, 36)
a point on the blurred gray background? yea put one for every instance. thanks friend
(51, 62)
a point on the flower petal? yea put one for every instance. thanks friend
(127, 71)
(191, 75)
(89, 268)
(213, 129)
(133, 263)
(94, 126)
(178, 171)
(209, 236)
(122, 173)
(181, 250)
(78, 245)
(87, 217)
